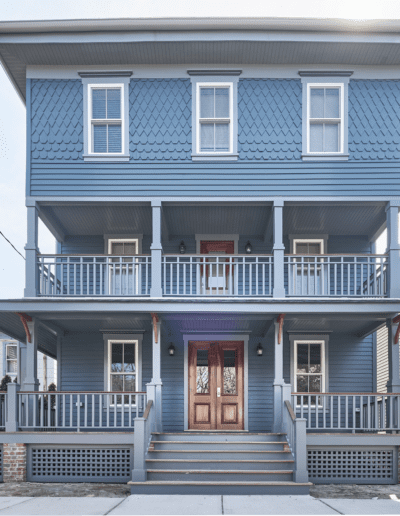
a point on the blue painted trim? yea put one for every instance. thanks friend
(28, 136)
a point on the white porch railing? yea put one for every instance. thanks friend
(85, 275)
(79, 410)
(217, 275)
(343, 411)
(361, 275)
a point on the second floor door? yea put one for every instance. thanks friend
(217, 276)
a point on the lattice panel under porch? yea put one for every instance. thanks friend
(79, 463)
(347, 465)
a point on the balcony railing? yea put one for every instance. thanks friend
(217, 275)
(79, 410)
(361, 275)
(85, 275)
(373, 412)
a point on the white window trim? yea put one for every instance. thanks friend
(309, 341)
(200, 85)
(318, 85)
(88, 85)
(320, 241)
(6, 343)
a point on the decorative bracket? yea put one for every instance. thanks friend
(25, 318)
(155, 321)
(280, 321)
(396, 320)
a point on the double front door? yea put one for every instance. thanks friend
(216, 385)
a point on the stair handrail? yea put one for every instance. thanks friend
(144, 426)
(295, 430)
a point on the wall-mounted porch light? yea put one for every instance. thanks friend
(259, 349)
(171, 349)
(248, 247)
(182, 247)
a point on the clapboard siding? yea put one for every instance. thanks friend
(382, 359)
(94, 244)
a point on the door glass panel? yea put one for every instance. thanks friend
(202, 386)
(229, 371)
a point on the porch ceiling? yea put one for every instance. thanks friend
(98, 219)
(248, 219)
(334, 219)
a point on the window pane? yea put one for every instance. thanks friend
(315, 383)
(114, 138)
(301, 248)
(99, 138)
(314, 248)
(331, 103)
(202, 371)
(129, 358)
(229, 371)
(331, 137)
(129, 383)
(117, 382)
(114, 103)
(222, 137)
(317, 103)
(315, 358)
(129, 248)
(12, 352)
(222, 103)
(316, 137)
(116, 358)
(302, 383)
(302, 358)
(99, 103)
(207, 102)
(12, 366)
(207, 137)
(117, 248)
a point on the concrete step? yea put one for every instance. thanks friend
(219, 446)
(219, 488)
(212, 464)
(220, 475)
(218, 454)
(218, 436)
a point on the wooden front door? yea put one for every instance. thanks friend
(216, 385)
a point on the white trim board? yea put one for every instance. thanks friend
(215, 337)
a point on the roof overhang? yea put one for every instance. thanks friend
(205, 41)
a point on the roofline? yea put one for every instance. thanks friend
(201, 24)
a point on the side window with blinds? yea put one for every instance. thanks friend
(106, 120)
(12, 359)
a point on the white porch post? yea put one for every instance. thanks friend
(156, 250)
(278, 250)
(278, 382)
(393, 384)
(31, 382)
(154, 388)
(393, 249)
(31, 251)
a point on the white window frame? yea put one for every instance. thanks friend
(323, 365)
(15, 344)
(112, 241)
(200, 85)
(320, 241)
(339, 121)
(110, 342)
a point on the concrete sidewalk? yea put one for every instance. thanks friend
(192, 504)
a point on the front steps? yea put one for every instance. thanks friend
(219, 463)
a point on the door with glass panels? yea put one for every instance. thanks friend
(310, 273)
(216, 388)
(123, 268)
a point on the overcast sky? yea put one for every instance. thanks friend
(12, 111)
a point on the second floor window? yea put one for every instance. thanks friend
(106, 126)
(214, 118)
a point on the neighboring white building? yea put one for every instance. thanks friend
(11, 361)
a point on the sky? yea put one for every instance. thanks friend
(12, 110)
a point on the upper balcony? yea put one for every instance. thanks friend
(246, 250)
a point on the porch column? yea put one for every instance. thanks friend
(156, 250)
(31, 251)
(154, 388)
(278, 250)
(393, 384)
(31, 382)
(278, 382)
(393, 249)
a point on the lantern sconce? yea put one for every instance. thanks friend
(182, 247)
(171, 350)
(259, 349)
(248, 247)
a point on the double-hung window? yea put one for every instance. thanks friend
(123, 363)
(106, 119)
(309, 368)
(325, 115)
(12, 359)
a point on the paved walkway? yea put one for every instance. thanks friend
(195, 504)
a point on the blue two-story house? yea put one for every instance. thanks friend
(216, 188)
